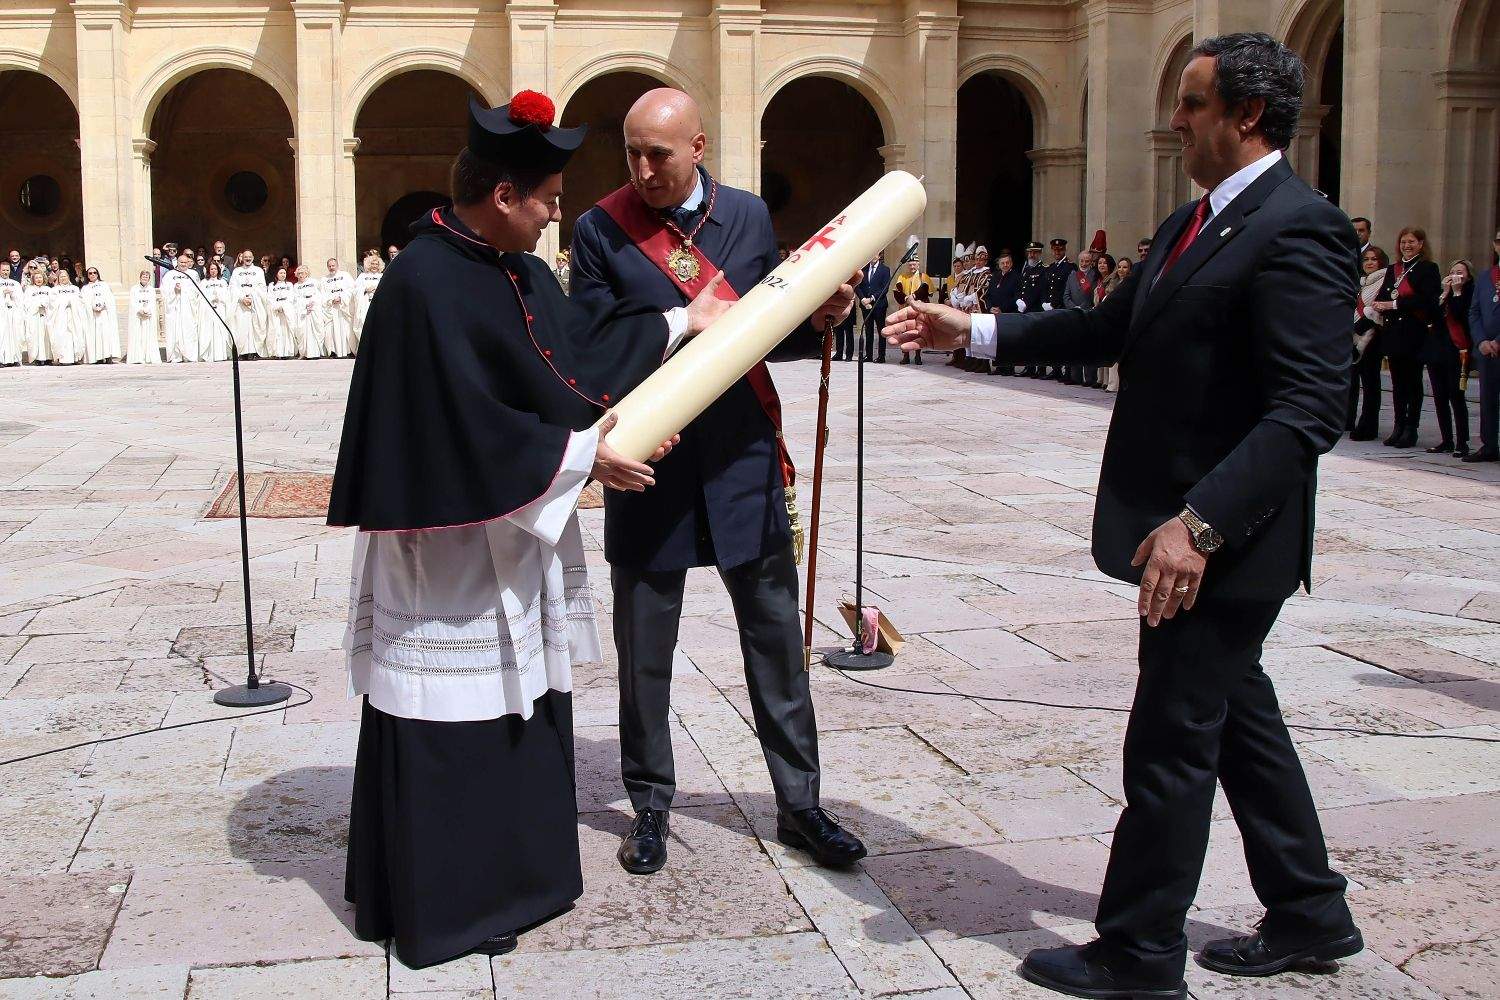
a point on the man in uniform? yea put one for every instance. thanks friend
(1034, 278)
(912, 284)
(722, 498)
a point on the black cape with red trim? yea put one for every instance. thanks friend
(473, 369)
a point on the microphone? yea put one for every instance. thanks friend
(170, 265)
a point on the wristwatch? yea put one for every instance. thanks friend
(1205, 538)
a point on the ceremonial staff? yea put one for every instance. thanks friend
(819, 447)
(252, 693)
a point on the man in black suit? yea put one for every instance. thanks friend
(1233, 346)
(874, 281)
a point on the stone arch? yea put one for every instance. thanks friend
(1308, 28)
(1475, 35)
(1024, 77)
(1314, 29)
(881, 98)
(1171, 60)
(160, 81)
(994, 177)
(21, 59)
(418, 58)
(1169, 185)
(41, 178)
(632, 61)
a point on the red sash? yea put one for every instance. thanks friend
(645, 229)
(1084, 283)
(1403, 280)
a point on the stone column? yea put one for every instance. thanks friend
(531, 68)
(1220, 17)
(931, 144)
(112, 239)
(324, 229)
(1465, 182)
(1057, 194)
(893, 155)
(142, 150)
(732, 124)
(1303, 152)
(349, 249)
(1386, 173)
(1171, 186)
(1120, 193)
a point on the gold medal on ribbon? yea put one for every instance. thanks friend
(683, 263)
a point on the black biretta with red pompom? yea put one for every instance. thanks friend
(521, 135)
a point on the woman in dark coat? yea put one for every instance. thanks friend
(1445, 354)
(1409, 299)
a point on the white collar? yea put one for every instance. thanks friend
(1232, 186)
(696, 198)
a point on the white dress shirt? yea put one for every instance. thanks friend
(982, 326)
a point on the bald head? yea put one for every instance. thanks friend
(664, 144)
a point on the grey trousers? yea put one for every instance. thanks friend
(648, 607)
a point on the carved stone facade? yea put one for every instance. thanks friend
(320, 116)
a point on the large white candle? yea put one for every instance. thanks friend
(718, 357)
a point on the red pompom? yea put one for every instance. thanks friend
(530, 108)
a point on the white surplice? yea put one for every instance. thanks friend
(182, 308)
(309, 326)
(102, 341)
(280, 341)
(338, 313)
(68, 326)
(140, 340)
(12, 322)
(214, 343)
(247, 313)
(364, 291)
(37, 301)
(476, 621)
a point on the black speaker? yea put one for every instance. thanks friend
(939, 256)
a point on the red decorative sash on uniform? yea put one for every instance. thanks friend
(644, 227)
(1084, 283)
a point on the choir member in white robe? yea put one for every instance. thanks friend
(12, 318)
(309, 327)
(281, 305)
(364, 291)
(181, 307)
(337, 290)
(103, 340)
(38, 305)
(140, 330)
(468, 436)
(68, 327)
(248, 316)
(214, 342)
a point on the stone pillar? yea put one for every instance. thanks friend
(141, 150)
(1386, 173)
(1303, 152)
(932, 116)
(324, 228)
(1120, 193)
(350, 251)
(531, 68)
(1220, 17)
(112, 241)
(1057, 194)
(893, 155)
(732, 124)
(1170, 185)
(1465, 183)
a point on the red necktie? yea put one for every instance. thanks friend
(1200, 216)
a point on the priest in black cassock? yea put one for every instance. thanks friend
(472, 427)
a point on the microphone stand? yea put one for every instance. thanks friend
(251, 694)
(855, 658)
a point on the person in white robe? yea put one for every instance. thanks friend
(140, 330)
(12, 318)
(337, 290)
(181, 308)
(247, 313)
(281, 342)
(38, 305)
(214, 342)
(103, 340)
(309, 325)
(68, 327)
(364, 291)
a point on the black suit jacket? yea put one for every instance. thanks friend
(1234, 370)
(1417, 312)
(874, 283)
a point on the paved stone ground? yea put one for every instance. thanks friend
(207, 862)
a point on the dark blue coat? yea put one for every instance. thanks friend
(718, 498)
(875, 283)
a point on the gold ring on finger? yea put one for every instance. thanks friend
(1181, 590)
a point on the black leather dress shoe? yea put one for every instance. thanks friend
(1077, 971)
(1397, 433)
(1483, 455)
(1250, 955)
(1440, 448)
(1363, 434)
(500, 944)
(644, 849)
(817, 833)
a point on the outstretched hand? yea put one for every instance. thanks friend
(618, 472)
(706, 306)
(928, 325)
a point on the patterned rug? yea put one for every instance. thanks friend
(275, 494)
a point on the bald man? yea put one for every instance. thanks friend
(720, 498)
